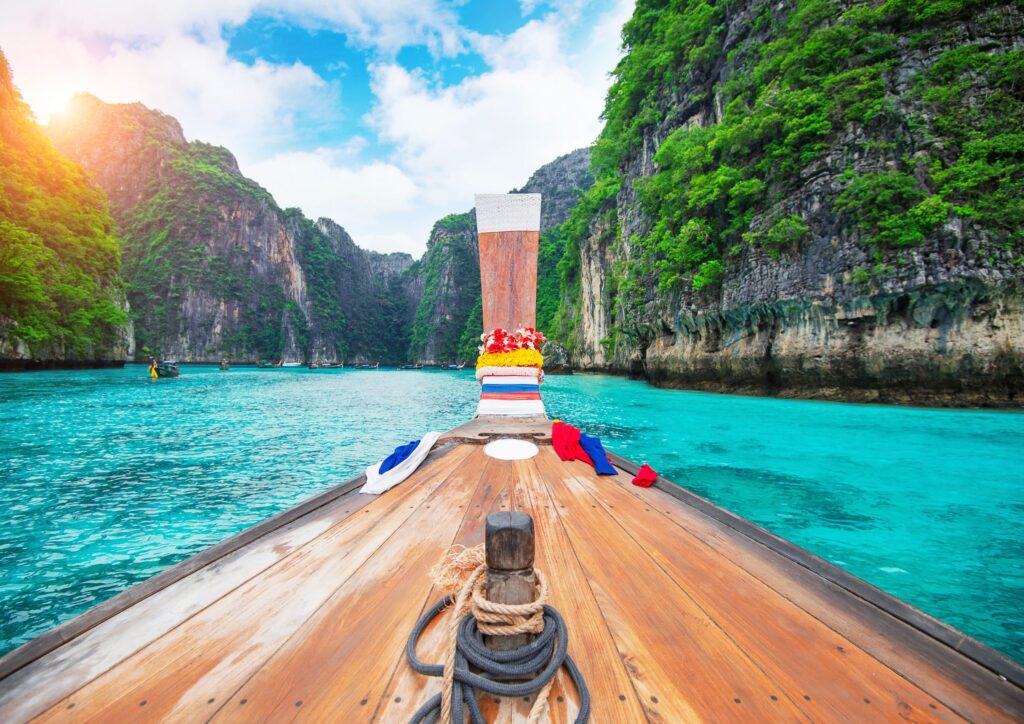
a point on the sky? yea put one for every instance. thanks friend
(384, 115)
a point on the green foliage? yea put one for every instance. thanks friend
(59, 260)
(811, 69)
(166, 242)
(441, 328)
(891, 208)
(550, 252)
(470, 339)
(785, 234)
(708, 273)
(981, 172)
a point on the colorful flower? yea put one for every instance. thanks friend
(514, 358)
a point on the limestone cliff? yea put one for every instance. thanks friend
(809, 198)
(445, 283)
(214, 267)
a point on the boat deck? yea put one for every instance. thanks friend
(677, 611)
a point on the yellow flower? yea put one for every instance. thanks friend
(519, 358)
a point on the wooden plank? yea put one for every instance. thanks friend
(45, 681)
(954, 680)
(41, 645)
(508, 278)
(336, 664)
(970, 648)
(211, 654)
(504, 710)
(834, 677)
(483, 429)
(408, 690)
(684, 666)
(613, 695)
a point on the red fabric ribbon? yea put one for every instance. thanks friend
(566, 441)
(645, 477)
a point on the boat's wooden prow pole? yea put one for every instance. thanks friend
(508, 226)
(509, 546)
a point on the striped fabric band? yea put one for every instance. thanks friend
(509, 380)
(507, 371)
(491, 387)
(510, 396)
(520, 408)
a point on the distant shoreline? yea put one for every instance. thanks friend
(980, 399)
(38, 365)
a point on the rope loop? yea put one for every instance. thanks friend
(472, 617)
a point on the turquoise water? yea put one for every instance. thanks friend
(106, 477)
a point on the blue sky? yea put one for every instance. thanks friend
(383, 115)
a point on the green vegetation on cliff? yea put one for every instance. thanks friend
(60, 288)
(166, 260)
(441, 331)
(815, 78)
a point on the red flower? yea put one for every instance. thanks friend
(524, 338)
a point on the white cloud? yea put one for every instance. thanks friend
(368, 199)
(540, 97)
(487, 133)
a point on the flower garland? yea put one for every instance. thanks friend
(501, 341)
(517, 358)
(511, 349)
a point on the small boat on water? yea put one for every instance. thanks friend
(168, 368)
(291, 364)
(366, 366)
(410, 367)
(455, 367)
(264, 364)
(224, 365)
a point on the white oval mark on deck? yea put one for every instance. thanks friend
(509, 449)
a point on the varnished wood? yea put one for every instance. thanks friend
(830, 678)
(960, 683)
(509, 548)
(212, 653)
(608, 675)
(675, 611)
(508, 278)
(482, 430)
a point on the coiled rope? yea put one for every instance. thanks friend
(471, 618)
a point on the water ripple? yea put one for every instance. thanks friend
(107, 478)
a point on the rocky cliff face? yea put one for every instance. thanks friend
(845, 231)
(214, 267)
(360, 311)
(560, 182)
(446, 283)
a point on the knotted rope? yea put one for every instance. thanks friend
(462, 571)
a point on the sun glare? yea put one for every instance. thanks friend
(51, 106)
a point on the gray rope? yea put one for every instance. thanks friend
(541, 658)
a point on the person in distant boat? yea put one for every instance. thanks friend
(152, 368)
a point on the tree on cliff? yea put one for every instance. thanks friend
(60, 285)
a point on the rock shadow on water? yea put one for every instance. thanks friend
(712, 448)
(754, 493)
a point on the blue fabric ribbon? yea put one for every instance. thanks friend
(510, 388)
(592, 447)
(401, 453)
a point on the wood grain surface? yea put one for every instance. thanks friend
(508, 278)
(672, 616)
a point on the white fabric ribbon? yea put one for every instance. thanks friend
(376, 483)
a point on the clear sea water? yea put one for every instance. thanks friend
(107, 477)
